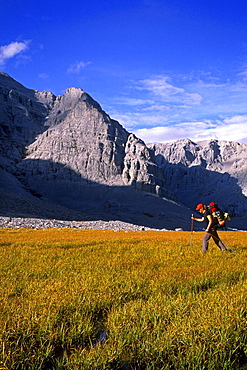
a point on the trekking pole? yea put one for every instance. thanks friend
(191, 229)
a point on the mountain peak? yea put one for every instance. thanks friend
(69, 151)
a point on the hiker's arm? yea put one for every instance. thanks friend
(197, 219)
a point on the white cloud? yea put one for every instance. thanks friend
(156, 107)
(233, 128)
(161, 110)
(237, 120)
(11, 50)
(135, 119)
(230, 129)
(160, 134)
(133, 101)
(192, 99)
(44, 76)
(77, 67)
(161, 87)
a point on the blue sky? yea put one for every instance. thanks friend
(166, 70)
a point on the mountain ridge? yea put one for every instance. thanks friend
(67, 150)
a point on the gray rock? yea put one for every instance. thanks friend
(22, 118)
(81, 143)
(206, 171)
(140, 171)
(65, 158)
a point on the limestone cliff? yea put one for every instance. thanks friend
(67, 150)
(140, 170)
(80, 143)
(22, 117)
(205, 171)
(69, 138)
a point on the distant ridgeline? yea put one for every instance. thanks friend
(67, 150)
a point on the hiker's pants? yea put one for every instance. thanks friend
(212, 234)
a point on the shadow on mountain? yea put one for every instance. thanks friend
(196, 184)
(53, 190)
(22, 119)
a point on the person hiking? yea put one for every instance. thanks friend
(210, 231)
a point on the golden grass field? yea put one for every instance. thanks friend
(93, 299)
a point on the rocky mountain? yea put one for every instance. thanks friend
(209, 170)
(22, 118)
(65, 151)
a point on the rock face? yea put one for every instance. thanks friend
(67, 138)
(67, 151)
(81, 143)
(23, 112)
(140, 170)
(206, 171)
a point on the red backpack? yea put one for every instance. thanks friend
(218, 214)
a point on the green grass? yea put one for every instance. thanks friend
(160, 303)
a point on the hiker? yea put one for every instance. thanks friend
(210, 231)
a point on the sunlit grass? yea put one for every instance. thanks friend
(155, 302)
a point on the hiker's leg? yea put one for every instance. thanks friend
(217, 240)
(205, 240)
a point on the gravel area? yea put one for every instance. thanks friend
(37, 223)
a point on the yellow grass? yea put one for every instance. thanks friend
(156, 302)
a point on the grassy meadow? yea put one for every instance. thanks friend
(93, 299)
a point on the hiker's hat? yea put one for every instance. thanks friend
(199, 206)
